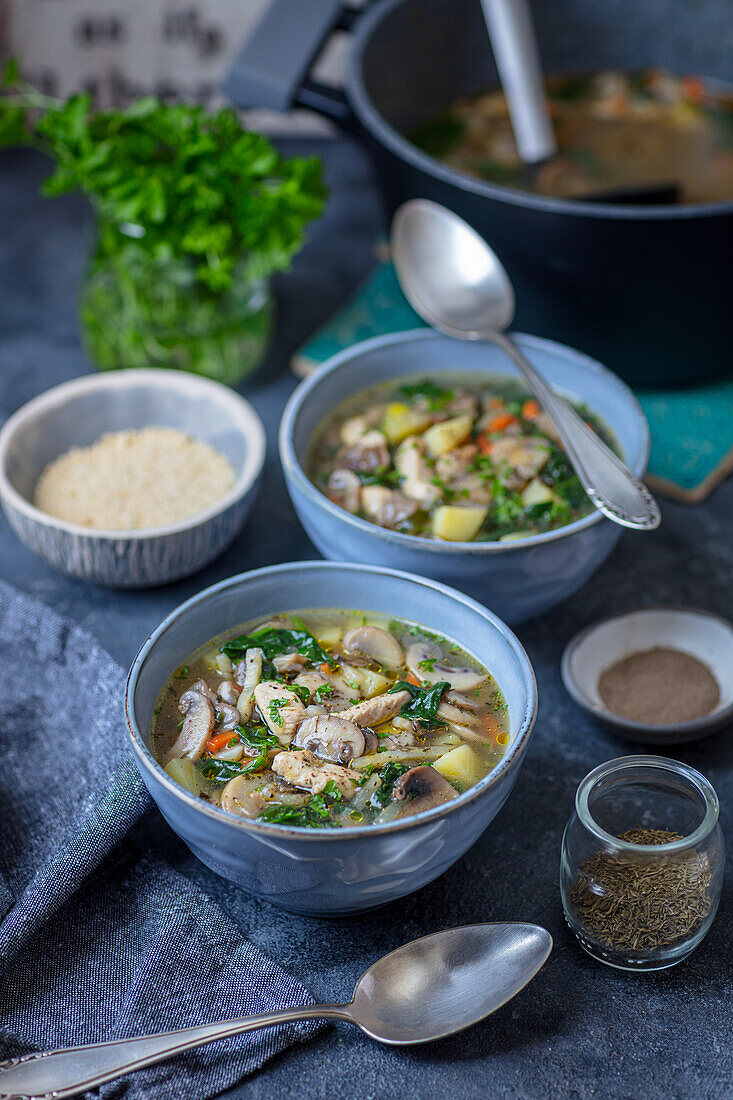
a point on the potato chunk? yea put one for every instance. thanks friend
(536, 492)
(446, 435)
(400, 421)
(457, 524)
(461, 765)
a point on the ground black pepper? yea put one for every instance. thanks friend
(659, 687)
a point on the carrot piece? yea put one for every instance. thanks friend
(693, 88)
(325, 668)
(530, 409)
(492, 727)
(413, 679)
(484, 445)
(500, 422)
(219, 741)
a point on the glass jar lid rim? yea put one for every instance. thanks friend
(703, 786)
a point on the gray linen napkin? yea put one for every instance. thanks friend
(99, 938)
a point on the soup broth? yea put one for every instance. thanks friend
(452, 457)
(613, 130)
(329, 718)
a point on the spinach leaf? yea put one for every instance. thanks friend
(331, 791)
(313, 815)
(273, 641)
(389, 775)
(258, 740)
(424, 702)
(389, 479)
(221, 771)
(436, 396)
(302, 692)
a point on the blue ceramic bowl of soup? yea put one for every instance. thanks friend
(333, 871)
(516, 579)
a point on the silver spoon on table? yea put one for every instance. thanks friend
(456, 283)
(425, 990)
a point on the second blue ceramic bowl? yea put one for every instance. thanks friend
(515, 579)
(329, 872)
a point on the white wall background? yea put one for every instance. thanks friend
(120, 49)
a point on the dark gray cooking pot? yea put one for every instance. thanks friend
(644, 288)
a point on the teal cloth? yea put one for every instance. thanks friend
(692, 429)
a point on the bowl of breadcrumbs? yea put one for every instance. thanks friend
(131, 479)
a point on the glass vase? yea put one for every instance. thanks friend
(141, 311)
(642, 905)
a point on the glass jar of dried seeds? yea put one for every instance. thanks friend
(642, 862)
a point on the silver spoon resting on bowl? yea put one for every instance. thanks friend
(430, 988)
(456, 283)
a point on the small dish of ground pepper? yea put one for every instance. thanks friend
(660, 675)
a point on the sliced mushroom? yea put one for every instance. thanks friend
(304, 769)
(229, 691)
(424, 787)
(239, 797)
(203, 688)
(227, 716)
(463, 702)
(400, 739)
(289, 662)
(198, 723)
(367, 454)
(371, 712)
(281, 709)
(424, 659)
(387, 507)
(248, 674)
(344, 488)
(371, 643)
(371, 741)
(331, 738)
(463, 722)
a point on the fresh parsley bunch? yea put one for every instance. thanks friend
(172, 181)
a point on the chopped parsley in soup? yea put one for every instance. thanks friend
(448, 458)
(330, 718)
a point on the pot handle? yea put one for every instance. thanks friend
(271, 70)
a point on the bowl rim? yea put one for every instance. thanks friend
(377, 125)
(294, 471)
(694, 777)
(509, 761)
(578, 693)
(244, 419)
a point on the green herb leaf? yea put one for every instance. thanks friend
(194, 184)
(220, 771)
(313, 815)
(258, 741)
(389, 775)
(436, 396)
(302, 692)
(424, 702)
(275, 706)
(332, 791)
(274, 641)
(383, 475)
